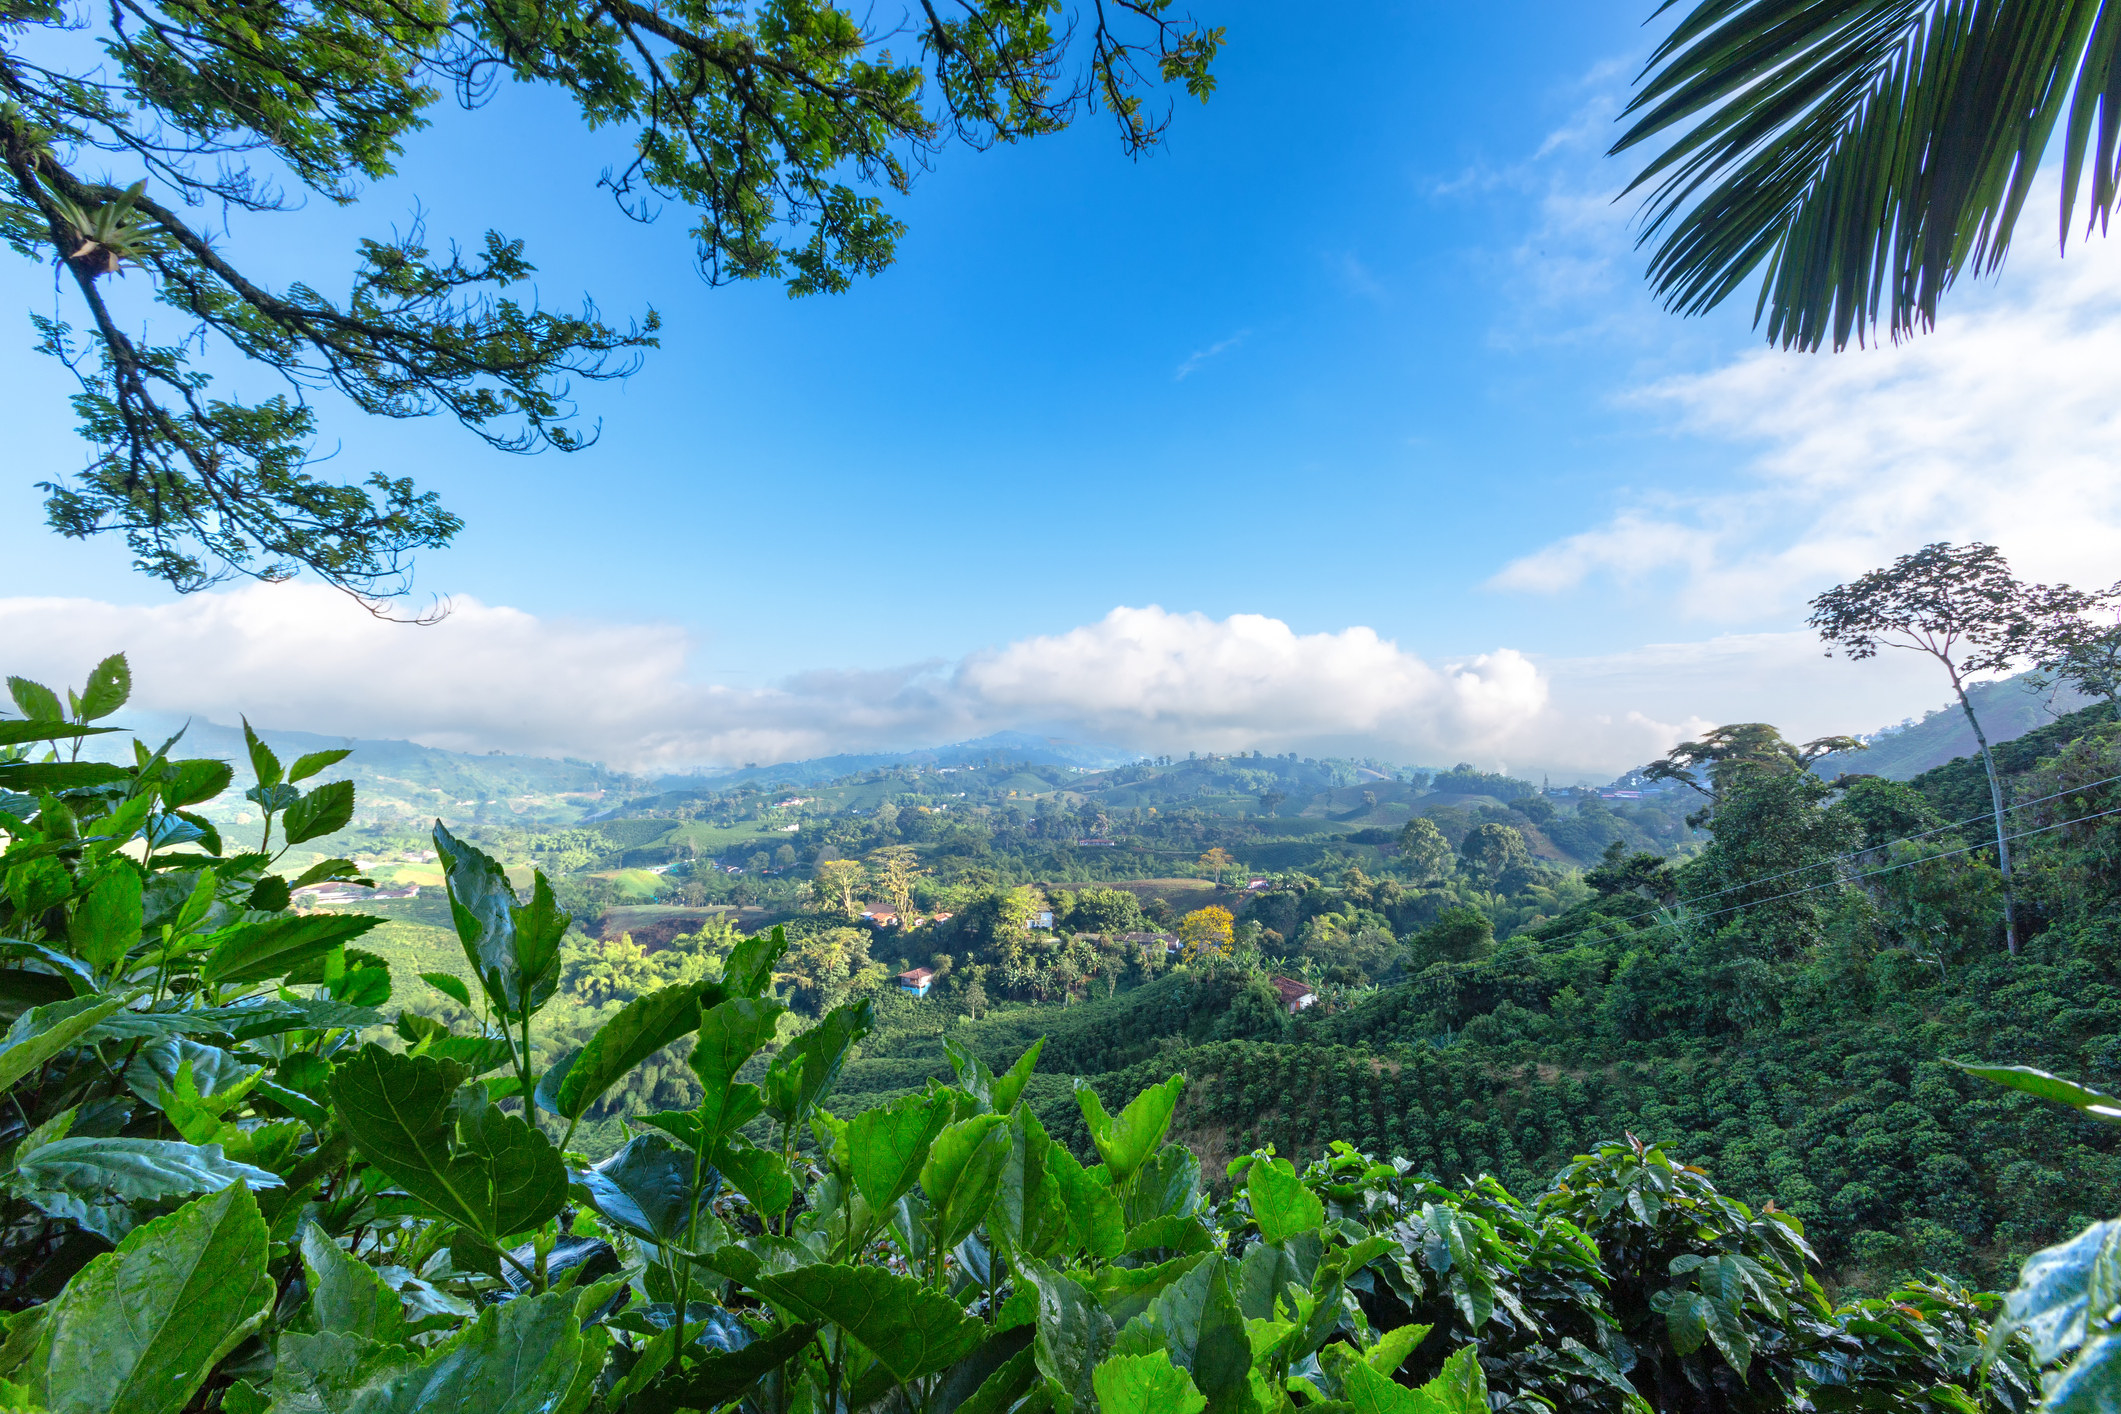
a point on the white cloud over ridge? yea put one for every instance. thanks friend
(298, 656)
(2003, 425)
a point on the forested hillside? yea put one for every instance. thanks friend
(1680, 1130)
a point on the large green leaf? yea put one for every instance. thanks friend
(1198, 1321)
(29, 777)
(749, 970)
(323, 811)
(1281, 1205)
(647, 1187)
(1030, 1212)
(912, 1329)
(34, 700)
(642, 1027)
(539, 927)
(106, 922)
(448, 1146)
(139, 1329)
(1146, 1384)
(527, 1356)
(309, 763)
(1095, 1220)
(713, 1380)
(345, 1294)
(190, 782)
(1074, 1333)
(963, 1171)
(2049, 1087)
(758, 1174)
(1461, 1388)
(890, 1143)
(134, 1170)
(1126, 1142)
(253, 952)
(482, 905)
(43, 1032)
(807, 1067)
(263, 763)
(2052, 1299)
(45, 729)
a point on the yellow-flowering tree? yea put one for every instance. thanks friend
(1207, 932)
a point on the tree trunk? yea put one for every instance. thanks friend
(1995, 796)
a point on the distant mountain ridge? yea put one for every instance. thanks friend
(1026, 747)
(2008, 710)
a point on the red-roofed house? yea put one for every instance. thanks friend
(916, 982)
(1295, 995)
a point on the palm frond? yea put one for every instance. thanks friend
(1858, 155)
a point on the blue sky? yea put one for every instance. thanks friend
(1366, 335)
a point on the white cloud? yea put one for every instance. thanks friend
(298, 656)
(2002, 425)
(1200, 356)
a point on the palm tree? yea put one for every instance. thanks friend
(1860, 154)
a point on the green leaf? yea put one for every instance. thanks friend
(647, 1188)
(641, 1028)
(758, 1174)
(315, 761)
(716, 1379)
(1461, 1388)
(1095, 1220)
(526, 1356)
(2089, 1384)
(323, 811)
(1074, 1334)
(30, 777)
(1146, 1384)
(807, 1067)
(44, 729)
(1126, 1143)
(263, 764)
(1204, 1331)
(449, 1147)
(539, 927)
(345, 1294)
(43, 1032)
(731, 1033)
(484, 909)
(1281, 1205)
(253, 952)
(35, 701)
(1393, 1347)
(106, 922)
(749, 970)
(134, 1170)
(910, 1328)
(890, 1143)
(963, 1171)
(109, 684)
(2053, 1295)
(1030, 1212)
(190, 782)
(449, 985)
(1008, 1088)
(1687, 1321)
(2049, 1087)
(141, 1328)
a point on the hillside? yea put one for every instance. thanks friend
(2008, 710)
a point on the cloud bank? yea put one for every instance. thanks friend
(298, 656)
(2004, 425)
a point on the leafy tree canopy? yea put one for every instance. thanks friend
(777, 125)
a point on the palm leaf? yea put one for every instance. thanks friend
(1856, 156)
